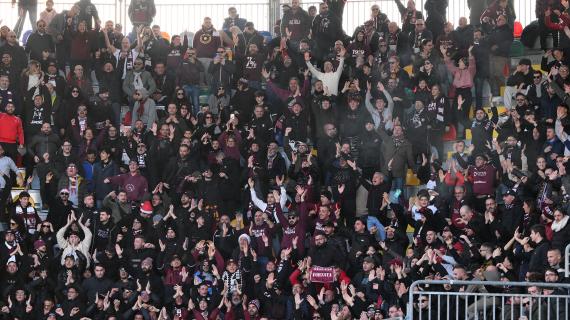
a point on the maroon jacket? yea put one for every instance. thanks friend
(206, 43)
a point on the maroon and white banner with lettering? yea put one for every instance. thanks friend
(322, 274)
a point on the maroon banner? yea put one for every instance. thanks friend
(322, 274)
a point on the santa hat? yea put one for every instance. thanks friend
(146, 207)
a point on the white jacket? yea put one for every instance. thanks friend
(82, 247)
(330, 79)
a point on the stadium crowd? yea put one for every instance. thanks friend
(287, 195)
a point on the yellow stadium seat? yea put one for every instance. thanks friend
(408, 69)
(412, 179)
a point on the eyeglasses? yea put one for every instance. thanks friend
(64, 193)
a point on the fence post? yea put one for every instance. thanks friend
(410, 307)
(567, 261)
(274, 13)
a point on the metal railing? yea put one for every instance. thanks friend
(497, 301)
(567, 261)
(357, 12)
(176, 17)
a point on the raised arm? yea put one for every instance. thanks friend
(316, 73)
(61, 242)
(256, 201)
(110, 47)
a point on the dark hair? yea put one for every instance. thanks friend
(540, 229)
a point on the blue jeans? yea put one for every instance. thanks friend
(398, 183)
(193, 94)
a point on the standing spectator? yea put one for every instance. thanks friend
(49, 13)
(476, 8)
(326, 29)
(295, 25)
(104, 168)
(141, 12)
(436, 16)
(188, 77)
(409, 15)
(39, 41)
(329, 77)
(397, 156)
(144, 108)
(43, 142)
(233, 20)
(12, 133)
(17, 52)
(206, 41)
(132, 182)
(499, 41)
(336, 7)
(138, 79)
(88, 13)
(496, 9)
(125, 56)
(57, 29)
(480, 52)
(540, 9)
(25, 7)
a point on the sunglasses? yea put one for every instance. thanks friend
(64, 193)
